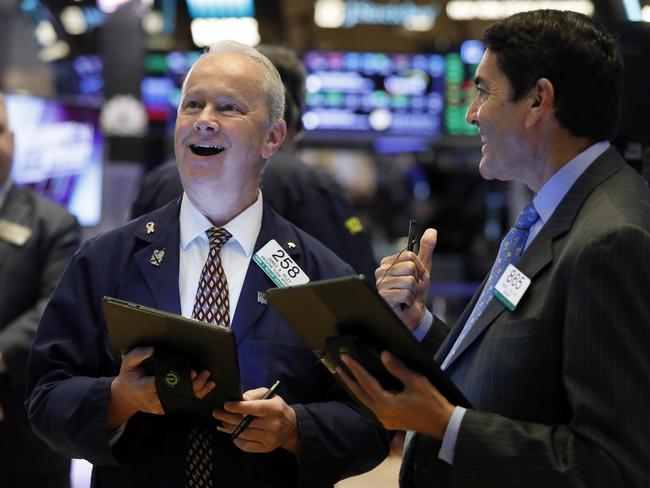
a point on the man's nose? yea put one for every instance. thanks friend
(470, 116)
(206, 121)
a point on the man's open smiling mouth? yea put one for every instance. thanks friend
(206, 149)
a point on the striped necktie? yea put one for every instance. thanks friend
(511, 248)
(210, 305)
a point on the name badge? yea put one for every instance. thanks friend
(13, 233)
(279, 266)
(511, 287)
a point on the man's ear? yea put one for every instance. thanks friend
(541, 101)
(274, 138)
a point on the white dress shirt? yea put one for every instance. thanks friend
(235, 254)
(194, 248)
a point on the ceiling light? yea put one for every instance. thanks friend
(58, 50)
(329, 14)
(153, 22)
(73, 20)
(208, 31)
(45, 33)
(645, 13)
(499, 9)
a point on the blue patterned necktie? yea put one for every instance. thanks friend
(210, 305)
(511, 248)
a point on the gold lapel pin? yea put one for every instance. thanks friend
(150, 227)
(157, 257)
(291, 245)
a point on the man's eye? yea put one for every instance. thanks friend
(191, 104)
(230, 108)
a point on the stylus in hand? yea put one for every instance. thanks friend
(411, 243)
(246, 421)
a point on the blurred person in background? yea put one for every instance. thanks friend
(37, 238)
(306, 196)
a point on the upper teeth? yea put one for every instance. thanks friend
(209, 146)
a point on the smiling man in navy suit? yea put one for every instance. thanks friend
(553, 352)
(229, 124)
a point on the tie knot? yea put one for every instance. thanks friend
(527, 218)
(218, 236)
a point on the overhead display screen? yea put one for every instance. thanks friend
(58, 153)
(360, 96)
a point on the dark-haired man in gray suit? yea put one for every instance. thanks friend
(37, 237)
(553, 351)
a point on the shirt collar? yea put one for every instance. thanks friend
(4, 191)
(244, 228)
(557, 186)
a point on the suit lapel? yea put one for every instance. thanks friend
(16, 209)
(252, 300)
(159, 257)
(540, 252)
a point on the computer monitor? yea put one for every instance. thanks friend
(58, 153)
(359, 96)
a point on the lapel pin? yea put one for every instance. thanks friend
(261, 298)
(150, 227)
(157, 257)
(291, 245)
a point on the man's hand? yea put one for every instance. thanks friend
(275, 424)
(404, 279)
(133, 391)
(419, 407)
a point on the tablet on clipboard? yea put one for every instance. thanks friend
(347, 315)
(205, 346)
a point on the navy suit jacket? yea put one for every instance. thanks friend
(28, 275)
(71, 368)
(560, 385)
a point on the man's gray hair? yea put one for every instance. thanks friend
(273, 87)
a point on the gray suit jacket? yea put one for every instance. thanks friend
(28, 275)
(561, 385)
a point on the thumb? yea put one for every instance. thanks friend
(135, 356)
(427, 245)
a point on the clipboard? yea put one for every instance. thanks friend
(207, 347)
(347, 315)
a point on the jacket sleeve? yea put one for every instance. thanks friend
(70, 370)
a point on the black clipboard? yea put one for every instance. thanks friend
(207, 347)
(348, 315)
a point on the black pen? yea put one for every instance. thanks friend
(246, 421)
(411, 242)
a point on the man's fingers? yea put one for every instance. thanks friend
(255, 394)
(427, 245)
(366, 381)
(397, 368)
(135, 356)
(354, 388)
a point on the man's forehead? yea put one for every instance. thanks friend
(488, 68)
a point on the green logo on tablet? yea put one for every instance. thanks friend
(172, 379)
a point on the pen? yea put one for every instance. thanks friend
(410, 245)
(412, 236)
(249, 418)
